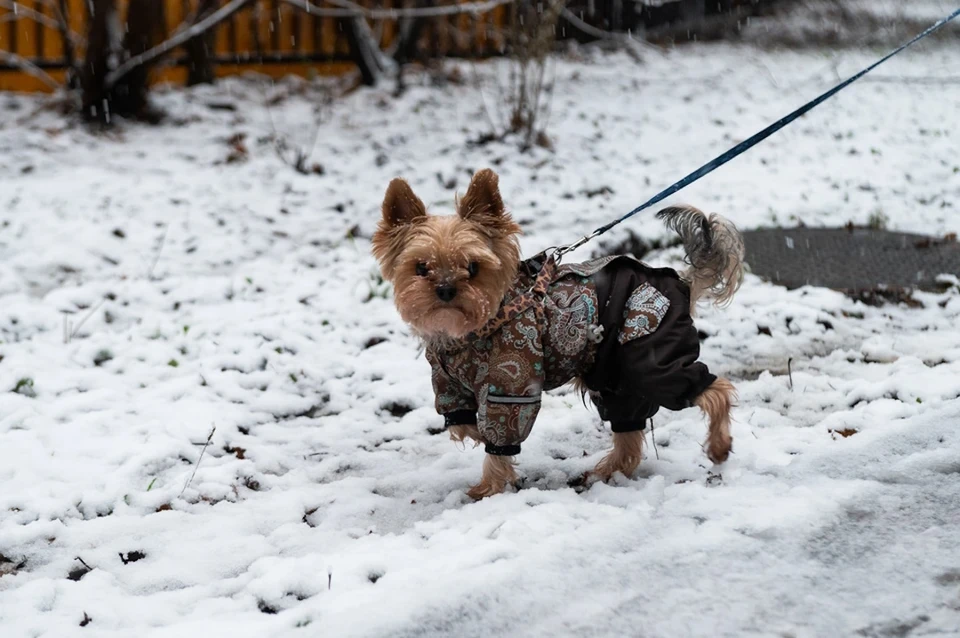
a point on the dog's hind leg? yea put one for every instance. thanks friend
(624, 457)
(716, 402)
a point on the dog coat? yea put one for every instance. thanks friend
(620, 326)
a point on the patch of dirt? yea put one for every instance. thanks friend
(398, 409)
(238, 452)
(132, 557)
(893, 628)
(949, 578)
(845, 432)
(374, 341)
(9, 566)
(79, 571)
(878, 297)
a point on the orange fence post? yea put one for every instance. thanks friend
(271, 37)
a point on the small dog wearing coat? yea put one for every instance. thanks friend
(498, 331)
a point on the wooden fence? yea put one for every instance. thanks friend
(271, 37)
(275, 38)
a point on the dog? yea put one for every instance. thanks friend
(499, 331)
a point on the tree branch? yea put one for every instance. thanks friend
(69, 55)
(29, 67)
(179, 39)
(350, 9)
(621, 38)
(709, 27)
(19, 12)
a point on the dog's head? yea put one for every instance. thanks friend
(449, 272)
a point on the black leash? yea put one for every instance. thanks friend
(746, 145)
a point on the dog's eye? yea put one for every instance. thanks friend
(422, 269)
(473, 268)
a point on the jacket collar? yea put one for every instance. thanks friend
(543, 269)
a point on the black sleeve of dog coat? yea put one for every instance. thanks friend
(662, 366)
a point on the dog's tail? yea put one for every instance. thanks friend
(714, 250)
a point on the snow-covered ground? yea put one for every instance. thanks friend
(241, 295)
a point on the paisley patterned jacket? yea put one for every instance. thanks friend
(594, 321)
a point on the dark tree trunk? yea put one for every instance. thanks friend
(693, 10)
(144, 29)
(408, 47)
(73, 79)
(102, 45)
(411, 29)
(105, 50)
(200, 49)
(616, 15)
(360, 50)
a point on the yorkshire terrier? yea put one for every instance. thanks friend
(499, 331)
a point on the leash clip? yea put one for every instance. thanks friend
(563, 250)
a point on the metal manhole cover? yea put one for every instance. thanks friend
(850, 259)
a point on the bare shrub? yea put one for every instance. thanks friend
(530, 38)
(296, 151)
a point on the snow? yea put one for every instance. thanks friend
(242, 296)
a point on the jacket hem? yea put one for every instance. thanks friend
(502, 450)
(460, 417)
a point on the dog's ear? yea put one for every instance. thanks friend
(482, 203)
(401, 206)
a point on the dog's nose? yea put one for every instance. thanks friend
(446, 292)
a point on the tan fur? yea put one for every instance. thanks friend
(483, 205)
(498, 472)
(625, 456)
(719, 285)
(481, 232)
(580, 387)
(402, 212)
(716, 402)
(714, 250)
(465, 434)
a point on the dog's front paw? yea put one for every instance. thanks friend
(483, 490)
(498, 472)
